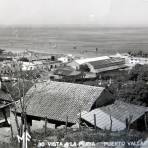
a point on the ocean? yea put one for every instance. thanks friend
(74, 40)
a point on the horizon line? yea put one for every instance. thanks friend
(76, 25)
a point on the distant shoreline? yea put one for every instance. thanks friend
(74, 26)
(44, 53)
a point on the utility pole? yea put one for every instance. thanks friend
(95, 124)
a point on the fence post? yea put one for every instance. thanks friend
(111, 122)
(129, 122)
(80, 121)
(45, 127)
(145, 121)
(95, 126)
(11, 131)
(66, 123)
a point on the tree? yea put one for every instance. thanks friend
(17, 90)
(84, 68)
(53, 58)
(139, 72)
(138, 53)
(136, 93)
(23, 59)
(31, 74)
(1, 51)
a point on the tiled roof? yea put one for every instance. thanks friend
(119, 111)
(64, 71)
(110, 68)
(87, 60)
(56, 100)
(67, 72)
(5, 96)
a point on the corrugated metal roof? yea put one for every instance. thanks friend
(66, 71)
(56, 100)
(111, 68)
(5, 96)
(107, 63)
(119, 111)
(75, 73)
(63, 72)
(86, 60)
(103, 120)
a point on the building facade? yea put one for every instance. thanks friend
(132, 61)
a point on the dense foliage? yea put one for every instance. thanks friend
(23, 59)
(136, 93)
(139, 72)
(18, 89)
(134, 88)
(31, 74)
(138, 53)
(1, 51)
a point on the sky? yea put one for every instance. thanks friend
(96, 12)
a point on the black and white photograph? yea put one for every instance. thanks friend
(73, 73)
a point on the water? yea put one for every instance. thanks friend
(74, 40)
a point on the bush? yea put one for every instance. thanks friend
(84, 68)
(139, 72)
(24, 59)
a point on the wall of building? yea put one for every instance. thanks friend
(105, 98)
(132, 61)
(63, 59)
(74, 65)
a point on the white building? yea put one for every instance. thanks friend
(132, 61)
(28, 66)
(63, 59)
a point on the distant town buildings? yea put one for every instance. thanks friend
(65, 59)
(50, 98)
(131, 60)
